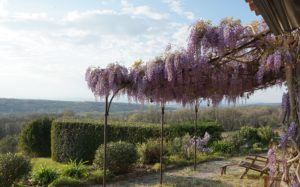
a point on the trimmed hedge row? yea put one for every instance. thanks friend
(78, 140)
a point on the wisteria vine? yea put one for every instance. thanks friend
(226, 61)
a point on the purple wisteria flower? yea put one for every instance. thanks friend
(201, 143)
(295, 182)
(289, 134)
(271, 162)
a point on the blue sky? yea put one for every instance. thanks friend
(46, 45)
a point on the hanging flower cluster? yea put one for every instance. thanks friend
(111, 79)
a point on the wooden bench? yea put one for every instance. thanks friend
(256, 163)
(253, 162)
(223, 168)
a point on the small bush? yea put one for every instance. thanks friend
(266, 134)
(156, 167)
(120, 156)
(35, 138)
(13, 167)
(149, 151)
(44, 175)
(178, 146)
(65, 181)
(175, 146)
(9, 144)
(76, 170)
(223, 147)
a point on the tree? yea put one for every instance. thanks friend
(227, 61)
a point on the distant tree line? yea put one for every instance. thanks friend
(232, 118)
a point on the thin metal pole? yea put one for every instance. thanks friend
(161, 144)
(195, 136)
(104, 141)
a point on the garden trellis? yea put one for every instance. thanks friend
(224, 62)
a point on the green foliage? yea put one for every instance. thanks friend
(248, 136)
(178, 160)
(65, 181)
(75, 170)
(13, 167)
(9, 144)
(35, 138)
(222, 147)
(120, 156)
(180, 129)
(230, 118)
(267, 135)
(78, 140)
(246, 140)
(44, 175)
(149, 151)
(177, 146)
(156, 167)
(97, 176)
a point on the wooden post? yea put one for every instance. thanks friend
(195, 136)
(162, 143)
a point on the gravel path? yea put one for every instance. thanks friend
(206, 175)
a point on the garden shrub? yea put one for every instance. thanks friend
(247, 136)
(76, 170)
(223, 146)
(35, 138)
(149, 151)
(178, 146)
(120, 156)
(175, 146)
(78, 140)
(12, 168)
(246, 140)
(156, 167)
(9, 144)
(267, 135)
(44, 175)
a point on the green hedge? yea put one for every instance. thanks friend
(35, 138)
(78, 140)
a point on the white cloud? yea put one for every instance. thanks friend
(181, 35)
(175, 6)
(27, 16)
(142, 11)
(3, 11)
(77, 15)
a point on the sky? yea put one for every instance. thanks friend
(46, 45)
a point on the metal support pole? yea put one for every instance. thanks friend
(162, 144)
(104, 140)
(195, 136)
